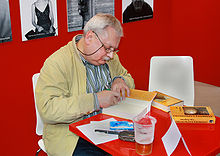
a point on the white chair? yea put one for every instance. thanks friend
(173, 75)
(39, 125)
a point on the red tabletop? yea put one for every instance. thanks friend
(201, 139)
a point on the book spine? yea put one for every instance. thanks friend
(210, 120)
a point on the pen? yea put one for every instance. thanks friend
(106, 87)
(107, 131)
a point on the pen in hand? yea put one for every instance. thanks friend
(107, 87)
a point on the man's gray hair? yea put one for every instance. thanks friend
(100, 21)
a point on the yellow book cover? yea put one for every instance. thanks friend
(192, 114)
(164, 102)
(142, 95)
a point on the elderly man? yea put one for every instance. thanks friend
(137, 10)
(77, 81)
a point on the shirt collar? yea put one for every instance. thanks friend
(84, 60)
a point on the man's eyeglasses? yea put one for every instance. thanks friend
(108, 50)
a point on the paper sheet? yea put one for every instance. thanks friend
(98, 138)
(186, 146)
(172, 138)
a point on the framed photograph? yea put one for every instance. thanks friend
(135, 10)
(80, 11)
(38, 19)
(5, 22)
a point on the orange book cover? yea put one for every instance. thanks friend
(192, 114)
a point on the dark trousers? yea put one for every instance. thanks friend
(85, 148)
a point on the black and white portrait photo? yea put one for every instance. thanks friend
(135, 10)
(38, 19)
(5, 22)
(80, 11)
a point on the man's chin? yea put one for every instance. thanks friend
(103, 62)
(100, 62)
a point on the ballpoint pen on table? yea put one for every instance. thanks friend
(107, 131)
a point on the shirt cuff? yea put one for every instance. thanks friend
(118, 77)
(96, 102)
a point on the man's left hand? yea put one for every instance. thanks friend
(121, 87)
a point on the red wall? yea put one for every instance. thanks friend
(178, 28)
(196, 32)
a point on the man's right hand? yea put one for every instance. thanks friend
(108, 98)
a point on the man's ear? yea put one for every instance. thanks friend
(89, 37)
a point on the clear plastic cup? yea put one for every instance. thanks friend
(144, 134)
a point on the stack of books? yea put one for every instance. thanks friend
(164, 102)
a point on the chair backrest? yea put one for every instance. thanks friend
(173, 75)
(39, 125)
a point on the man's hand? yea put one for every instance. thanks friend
(108, 98)
(120, 87)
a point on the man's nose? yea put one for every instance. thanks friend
(111, 55)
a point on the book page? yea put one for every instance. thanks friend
(138, 102)
(127, 109)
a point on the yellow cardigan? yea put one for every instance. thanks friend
(62, 99)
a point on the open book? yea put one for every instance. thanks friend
(138, 102)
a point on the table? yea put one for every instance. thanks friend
(201, 139)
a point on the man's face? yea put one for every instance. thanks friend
(138, 4)
(109, 39)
